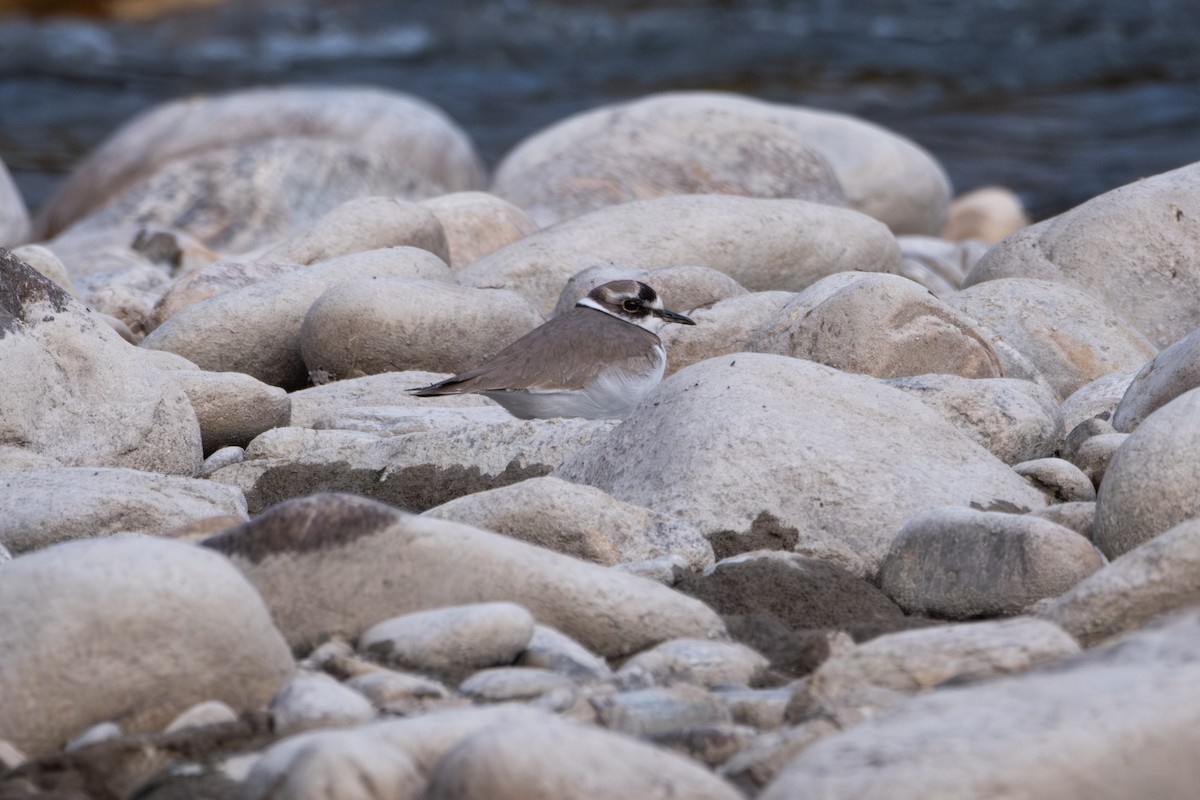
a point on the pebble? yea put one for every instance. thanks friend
(315, 700)
(504, 684)
(210, 712)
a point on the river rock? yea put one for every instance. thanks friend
(1069, 336)
(430, 462)
(1152, 579)
(131, 630)
(887, 326)
(1095, 454)
(761, 244)
(1061, 480)
(890, 668)
(988, 214)
(763, 757)
(682, 288)
(257, 329)
(1136, 248)
(555, 651)
(315, 700)
(720, 329)
(504, 684)
(201, 715)
(477, 223)
(40, 507)
(361, 224)
(14, 217)
(1077, 516)
(452, 641)
(315, 403)
(366, 141)
(1056, 731)
(400, 693)
(708, 142)
(78, 392)
(212, 280)
(1171, 373)
(579, 521)
(232, 407)
(1097, 399)
(1150, 484)
(369, 325)
(938, 265)
(45, 261)
(884, 456)
(697, 662)
(958, 563)
(539, 760)
(402, 563)
(1015, 420)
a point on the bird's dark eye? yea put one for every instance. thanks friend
(631, 306)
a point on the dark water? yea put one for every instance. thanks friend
(1057, 100)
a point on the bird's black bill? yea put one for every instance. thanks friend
(671, 316)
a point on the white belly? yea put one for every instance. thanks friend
(612, 396)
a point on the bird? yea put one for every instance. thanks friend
(596, 361)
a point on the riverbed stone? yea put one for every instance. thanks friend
(367, 141)
(315, 700)
(372, 325)
(762, 244)
(1095, 454)
(311, 405)
(131, 630)
(427, 461)
(1135, 248)
(477, 223)
(40, 507)
(361, 224)
(937, 264)
(885, 457)
(1070, 336)
(958, 563)
(1097, 399)
(78, 392)
(887, 326)
(452, 641)
(257, 329)
(722, 328)
(579, 521)
(1159, 576)
(538, 760)
(697, 662)
(1061, 480)
(763, 757)
(1015, 420)
(505, 684)
(232, 407)
(212, 280)
(1169, 374)
(1053, 731)
(1078, 516)
(988, 214)
(403, 563)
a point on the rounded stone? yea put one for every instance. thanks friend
(367, 326)
(721, 329)
(315, 700)
(477, 223)
(1169, 374)
(231, 407)
(132, 630)
(989, 214)
(957, 563)
(1058, 478)
(697, 662)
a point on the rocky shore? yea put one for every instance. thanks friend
(914, 512)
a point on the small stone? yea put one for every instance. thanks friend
(504, 684)
(698, 662)
(555, 651)
(400, 693)
(1058, 478)
(1098, 398)
(100, 732)
(657, 710)
(232, 408)
(221, 458)
(477, 223)
(711, 745)
(315, 700)
(1092, 426)
(451, 641)
(762, 758)
(667, 570)
(1079, 517)
(989, 214)
(1169, 374)
(721, 328)
(209, 712)
(1094, 455)
(10, 756)
(760, 708)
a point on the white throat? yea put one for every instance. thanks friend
(650, 322)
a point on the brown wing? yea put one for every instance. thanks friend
(568, 352)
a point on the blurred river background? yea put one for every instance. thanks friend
(1058, 101)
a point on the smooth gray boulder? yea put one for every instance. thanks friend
(761, 244)
(1150, 484)
(1169, 374)
(79, 393)
(1136, 248)
(477, 223)
(337, 564)
(957, 563)
(1098, 398)
(722, 328)
(884, 457)
(132, 630)
(315, 403)
(232, 407)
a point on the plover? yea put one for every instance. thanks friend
(597, 361)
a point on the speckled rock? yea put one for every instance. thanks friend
(372, 325)
(212, 280)
(40, 507)
(131, 630)
(761, 244)
(884, 457)
(403, 563)
(1016, 420)
(1136, 248)
(477, 223)
(505, 684)
(887, 326)
(256, 329)
(1070, 337)
(367, 141)
(77, 392)
(580, 521)
(1169, 374)
(1150, 484)
(958, 563)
